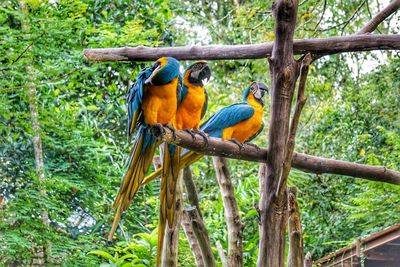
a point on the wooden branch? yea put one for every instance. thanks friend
(283, 72)
(307, 163)
(193, 242)
(301, 100)
(323, 46)
(296, 251)
(308, 260)
(171, 237)
(191, 189)
(231, 213)
(191, 215)
(221, 253)
(381, 16)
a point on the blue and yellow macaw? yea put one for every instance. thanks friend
(239, 123)
(153, 99)
(191, 109)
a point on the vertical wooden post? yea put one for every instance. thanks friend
(283, 71)
(296, 251)
(308, 260)
(192, 216)
(231, 212)
(171, 238)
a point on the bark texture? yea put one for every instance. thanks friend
(193, 242)
(192, 216)
(323, 46)
(231, 212)
(381, 16)
(191, 189)
(296, 250)
(171, 238)
(307, 163)
(283, 70)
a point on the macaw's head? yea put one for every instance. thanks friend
(256, 91)
(197, 72)
(165, 69)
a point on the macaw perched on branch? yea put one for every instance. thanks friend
(151, 100)
(238, 123)
(191, 109)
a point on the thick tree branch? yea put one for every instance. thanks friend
(381, 16)
(296, 251)
(171, 237)
(283, 72)
(193, 242)
(307, 163)
(324, 46)
(191, 189)
(221, 253)
(191, 215)
(301, 100)
(308, 260)
(231, 213)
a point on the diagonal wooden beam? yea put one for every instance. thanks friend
(323, 46)
(381, 16)
(307, 163)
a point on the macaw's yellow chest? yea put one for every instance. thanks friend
(189, 111)
(160, 103)
(244, 130)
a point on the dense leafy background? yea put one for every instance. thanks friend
(352, 114)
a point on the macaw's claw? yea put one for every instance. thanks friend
(172, 129)
(233, 140)
(158, 130)
(253, 145)
(202, 134)
(191, 133)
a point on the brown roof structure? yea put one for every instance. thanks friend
(381, 249)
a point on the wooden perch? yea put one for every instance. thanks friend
(307, 163)
(191, 215)
(296, 251)
(324, 46)
(193, 242)
(284, 73)
(381, 16)
(191, 189)
(231, 213)
(171, 237)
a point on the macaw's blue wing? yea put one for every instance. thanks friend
(203, 112)
(226, 118)
(134, 100)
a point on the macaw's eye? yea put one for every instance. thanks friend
(156, 64)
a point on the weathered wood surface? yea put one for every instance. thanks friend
(323, 46)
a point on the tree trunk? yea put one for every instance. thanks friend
(192, 216)
(193, 242)
(40, 257)
(296, 251)
(283, 71)
(231, 212)
(171, 238)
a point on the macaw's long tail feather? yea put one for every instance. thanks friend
(186, 159)
(170, 173)
(139, 162)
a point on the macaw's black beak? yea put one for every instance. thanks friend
(263, 88)
(157, 68)
(202, 74)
